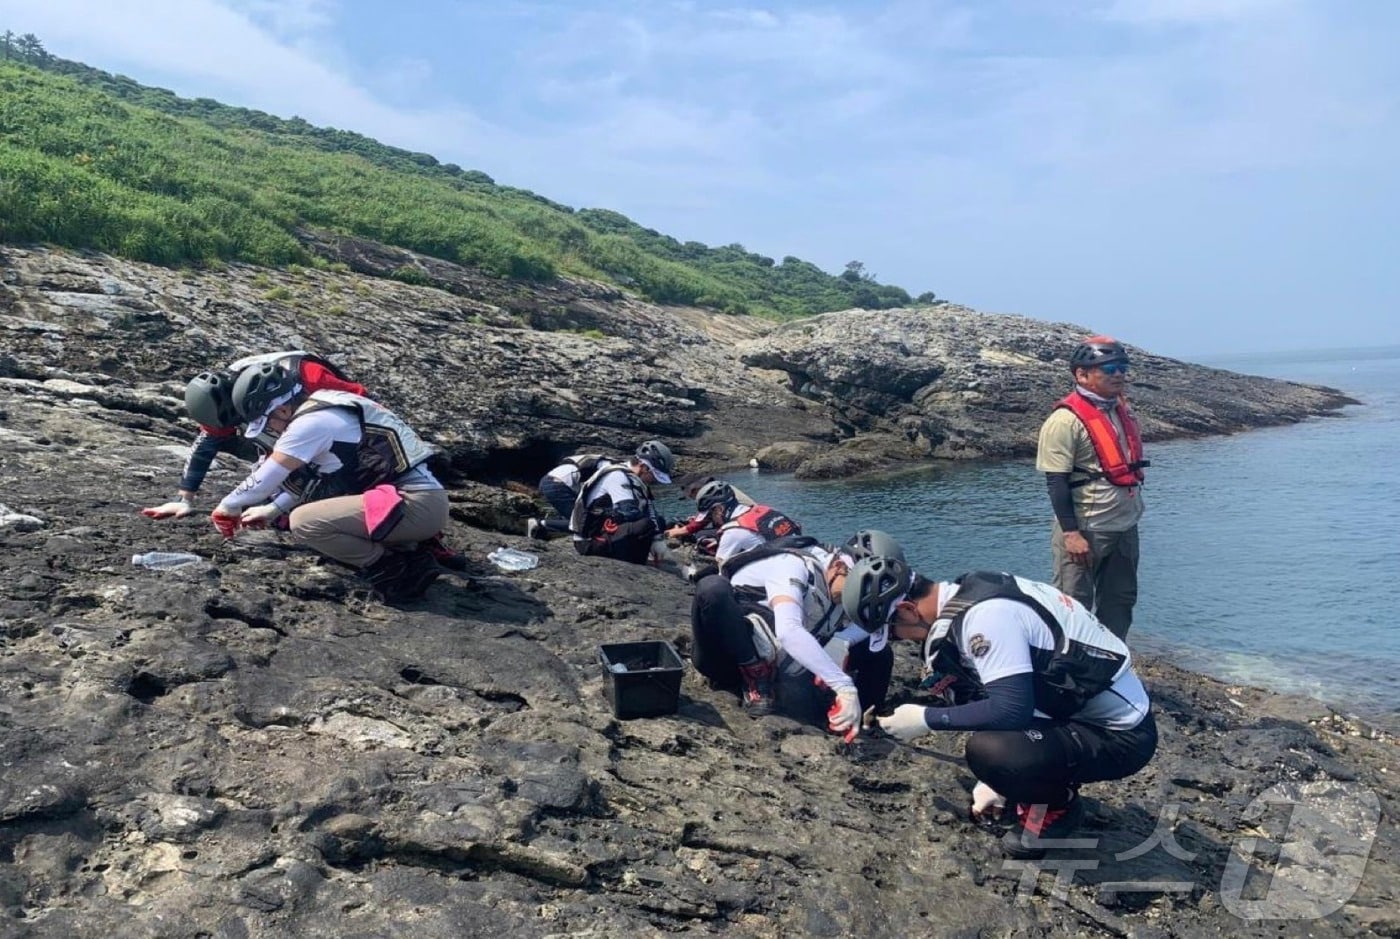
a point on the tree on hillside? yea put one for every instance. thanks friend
(7, 45)
(856, 273)
(32, 50)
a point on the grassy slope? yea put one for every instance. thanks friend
(92, 160)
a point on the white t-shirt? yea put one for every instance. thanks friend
(310, 436)
(785, 575)
(1003, 632)
(568, 474)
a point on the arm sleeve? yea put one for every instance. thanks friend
(1061, 500)
(206, 446)
(1009, 705)
(801, 645)
(261, 484)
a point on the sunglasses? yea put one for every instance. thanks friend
(1115, 368)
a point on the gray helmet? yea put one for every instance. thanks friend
(1097, 350)
(873, 543)
(872, 587)
(659, 456)
(713, 493)
(259, 386)
(209, 400)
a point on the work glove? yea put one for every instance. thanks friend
(844, 716)
(987, 803)
(260, 515)
(226, 524)
(906, 723)
(175, 508)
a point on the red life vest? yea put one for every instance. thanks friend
(768, 523)
(1118, 469)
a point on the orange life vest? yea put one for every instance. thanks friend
(1118, 469)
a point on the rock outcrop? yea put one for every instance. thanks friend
(249, 746)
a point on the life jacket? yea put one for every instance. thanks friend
(767, 523)
(588, 518)
(387, 447)
(1085, 661)
(1118, 468)
(587, 463)
(822, 616)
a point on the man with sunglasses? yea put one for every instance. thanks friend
(1090, 451)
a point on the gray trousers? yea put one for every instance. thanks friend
(336, 527)
(1107, 586)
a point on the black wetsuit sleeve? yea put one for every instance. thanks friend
(1061, 500)
(206, 447)
(1009, 705)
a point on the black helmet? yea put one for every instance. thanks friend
(1097, 350)
(209, 400)
(873, 543)
(872, 587)
(259, 387)
(713, 493)
(658, 455)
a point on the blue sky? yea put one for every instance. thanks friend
(1194, 176)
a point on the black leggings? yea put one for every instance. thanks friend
(629, 541)
(1039, 765)
(561, 497)
(722, 639)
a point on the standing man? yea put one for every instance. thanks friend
(1090, 451)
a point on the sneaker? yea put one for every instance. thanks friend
(535, 529)
(420, 570)
(757, 694)
(1039, 827)
(445, 556)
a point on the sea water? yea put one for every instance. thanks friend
(1269, 558)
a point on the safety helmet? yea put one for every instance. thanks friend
(872, 588)
(873, 543)
(1097, 350)
(659, 457)
(713, 493)
(260, 388)
(209, 400)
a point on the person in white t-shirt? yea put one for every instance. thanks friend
(372, 499)
(1049, 691)
(615, 515)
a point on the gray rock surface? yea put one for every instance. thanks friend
(251, 747)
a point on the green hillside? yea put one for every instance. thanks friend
(93, 160)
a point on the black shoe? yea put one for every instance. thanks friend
(384, 574)
(536, 529)
(419, 572)
(1041, 827)
(445, 556)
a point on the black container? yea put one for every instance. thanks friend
(648, 683)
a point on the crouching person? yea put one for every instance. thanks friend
(615, 515)
(1055, 702)
(368, 499)
(771, 625)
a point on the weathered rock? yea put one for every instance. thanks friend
(251, 747)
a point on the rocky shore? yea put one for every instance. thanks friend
(248, 746)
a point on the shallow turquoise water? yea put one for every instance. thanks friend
(1271, 558)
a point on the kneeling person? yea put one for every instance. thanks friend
(372, 500)
(1057, 701)
(615, 515)
(774, 615)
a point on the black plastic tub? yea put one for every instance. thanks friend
(643, 679)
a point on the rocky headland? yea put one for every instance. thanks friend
(249, 746)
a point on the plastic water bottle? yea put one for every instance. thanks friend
(509, 559)
(163, 560)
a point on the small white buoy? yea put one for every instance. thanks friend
(753, 463)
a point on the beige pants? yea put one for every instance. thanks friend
(336, 527)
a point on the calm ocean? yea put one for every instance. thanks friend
(1270, 558)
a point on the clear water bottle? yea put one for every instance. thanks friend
(163, 560)
(509, 559)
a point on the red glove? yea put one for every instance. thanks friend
(226, 524)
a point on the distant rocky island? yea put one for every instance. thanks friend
(249, 746)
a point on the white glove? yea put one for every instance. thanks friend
(986, 801)
(844, 715)
(176, 508)
(259, 515)
(906, 723)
